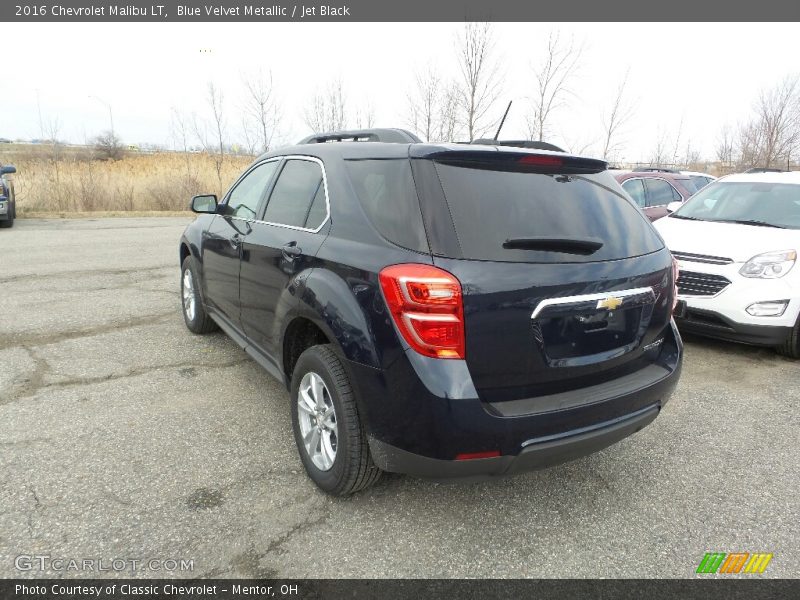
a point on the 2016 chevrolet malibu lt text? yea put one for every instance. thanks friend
(441, 310)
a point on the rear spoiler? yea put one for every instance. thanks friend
(519, 162)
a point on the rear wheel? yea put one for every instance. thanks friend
(330, 437)
(8, 223)
(791, 347)
(194, 312)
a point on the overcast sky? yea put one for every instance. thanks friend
(706, 75)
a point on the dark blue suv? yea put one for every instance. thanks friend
(441, 310)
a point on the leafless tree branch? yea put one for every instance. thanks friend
(480, 82)
(553, 76)
(616, 120)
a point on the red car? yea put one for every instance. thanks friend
(654, 190)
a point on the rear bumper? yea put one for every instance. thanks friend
(421, 415)
(536, 454)
(710, 323)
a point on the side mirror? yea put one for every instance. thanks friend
(205, 204)
(8, 169)
(673, 206)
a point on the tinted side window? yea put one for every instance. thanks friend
(386, 190)
(659, 192)
(318, 209)
(491, 207)
(292, 201)
(635, 188)
(245, 197)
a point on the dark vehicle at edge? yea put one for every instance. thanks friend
(439, 310)
(8, 204)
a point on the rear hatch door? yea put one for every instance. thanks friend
(565, 283)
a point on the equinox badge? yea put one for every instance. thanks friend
(610, 303)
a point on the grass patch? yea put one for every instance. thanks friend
(54, 180)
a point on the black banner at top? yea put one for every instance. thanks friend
(229, 11)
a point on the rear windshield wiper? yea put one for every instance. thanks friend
(583, 246)
(751, 222)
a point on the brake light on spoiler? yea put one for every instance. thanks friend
(520, 162)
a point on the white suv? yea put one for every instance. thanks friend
(736, 242)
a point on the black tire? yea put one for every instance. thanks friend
(6, 224)
(791, 347)
(198, 321)
(353, 468)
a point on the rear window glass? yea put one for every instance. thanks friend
(491, 207)
(386, 190)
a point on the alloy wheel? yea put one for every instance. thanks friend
(317, 419)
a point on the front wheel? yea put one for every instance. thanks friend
(791, 347)
(194, 312)
(330, 437)
(7, 223)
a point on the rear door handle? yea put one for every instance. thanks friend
(291, 250)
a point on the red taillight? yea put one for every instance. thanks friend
(426, 306)
(675, 273)
(541, 160)
(473, 455)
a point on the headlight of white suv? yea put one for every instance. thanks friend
(770, 265)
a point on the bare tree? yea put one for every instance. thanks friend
(553, 77)
(433, 107)
(614, 122)
(691, 156)
(725, 147)
(328, 109)
(750, 145)
(660, 154)
(677, 142)
(778, 121)
(261, 108)
(580, 144)
(108, 146)
(51, 130)
(250, 137)
(479, 85)
(179, 127)
(211, 133)
(365, 116)
(447, 129)
(423, 104)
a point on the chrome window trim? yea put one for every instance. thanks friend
(294, 227)
(589, 298)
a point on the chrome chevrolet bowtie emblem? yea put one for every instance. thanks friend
(610, 303)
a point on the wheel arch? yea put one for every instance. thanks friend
(325, 310)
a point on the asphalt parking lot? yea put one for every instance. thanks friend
(124, 436)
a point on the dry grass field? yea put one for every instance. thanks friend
(67, 181)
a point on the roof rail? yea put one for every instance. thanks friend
(392, 136)
(765, 170)
(534, 145)
(656, 170)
